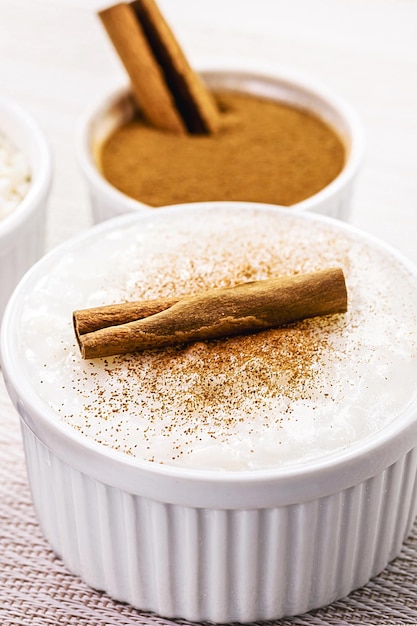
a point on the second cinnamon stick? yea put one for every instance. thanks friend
(245, 308)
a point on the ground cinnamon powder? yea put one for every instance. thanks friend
(264, 152)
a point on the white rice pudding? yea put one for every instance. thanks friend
(14, 176)
(270, 399)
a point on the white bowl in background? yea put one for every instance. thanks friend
(201, 544)
(22, 232)
(118, 107)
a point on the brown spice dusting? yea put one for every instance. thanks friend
(274, 363)
(264, 152)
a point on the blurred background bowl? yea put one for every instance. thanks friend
(118, 108)
(22, 232)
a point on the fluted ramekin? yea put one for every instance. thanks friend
(276, 84)
(212, 545)
(22, 231)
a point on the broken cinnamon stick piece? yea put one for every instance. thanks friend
(242, 309)
(158, 68)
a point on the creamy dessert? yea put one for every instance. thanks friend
(14, 176)
(269, 399)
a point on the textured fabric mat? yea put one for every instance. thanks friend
(36, 589)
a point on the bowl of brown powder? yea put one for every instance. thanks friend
(282, 140)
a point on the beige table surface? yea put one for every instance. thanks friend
(55, 60)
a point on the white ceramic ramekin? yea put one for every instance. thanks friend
(206, 545)
(22, 232)
(116, 109)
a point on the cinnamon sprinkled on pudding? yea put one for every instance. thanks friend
(273, 398)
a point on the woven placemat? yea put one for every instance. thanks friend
(36, 589)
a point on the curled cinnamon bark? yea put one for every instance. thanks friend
(242, 309)
(170, 95)
(90, 320)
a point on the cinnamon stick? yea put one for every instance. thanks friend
(216, 313)
(169, 93)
